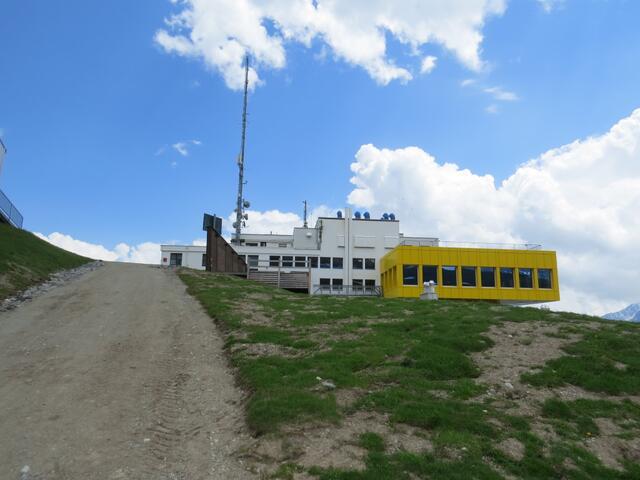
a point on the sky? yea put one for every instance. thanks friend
(471, 120)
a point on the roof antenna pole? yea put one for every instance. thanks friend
(305, 214)
(241, 203)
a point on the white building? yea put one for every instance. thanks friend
(341, 254)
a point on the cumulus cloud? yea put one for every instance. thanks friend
(147, 252)
(581, 199)
(549, 5)
(222, 32)
(183, 147)
(277, 222)
(428, 64)
(501, 94)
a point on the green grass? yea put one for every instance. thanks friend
(26, 260)
(411, 361)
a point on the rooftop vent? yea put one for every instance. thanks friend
(357, 215)
(367, 216)
(339, 215)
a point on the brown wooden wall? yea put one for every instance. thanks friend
(221, 257)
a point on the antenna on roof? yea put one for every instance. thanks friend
(305, 214)
(241, 203)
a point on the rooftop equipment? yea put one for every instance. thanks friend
(357, 215)
(385, 216)
(392, 216)
(339, 214)
(367, 215)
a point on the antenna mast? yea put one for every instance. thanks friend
(305, 214)
(241, 203)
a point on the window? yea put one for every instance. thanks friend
(251, 244)
(175, 259)
(337, 283)
(506, 277)
(488, 276)
(468, 276)
(410, 274)
(325, 281)
(370, 283)
(430, 273)
(253, 260)
(204, 259)
(357, 285)
(449, 276)
(325, 262)
(282, 245)
(301, 262)
(544, 278)
(525, 278)
(370, 263)
(357, 264)
(263, 244)
(314, 262)
(337, 262)
(287, 261)
(274, 261)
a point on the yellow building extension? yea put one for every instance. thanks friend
(519, 276)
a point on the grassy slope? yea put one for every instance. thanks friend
(26, 260)
(400, 354)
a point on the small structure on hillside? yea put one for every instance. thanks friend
(8, 211)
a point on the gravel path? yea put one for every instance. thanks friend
(117, 374)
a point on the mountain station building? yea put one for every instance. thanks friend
(357, 255)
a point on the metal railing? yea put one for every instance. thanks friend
(9, 211)
(348, 290)
(496, 246)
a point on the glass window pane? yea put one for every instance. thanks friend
(325, 281)
(301, 262)
(274, 260)
(430, 273)
(287, 261)
(357, 282)
(370, 283)
(410, 274)
(544, 278)
(314, 262)
(525, 278)
(357, 263)
(506, 277)
(468, 276)
(253, 260)
(370, 263)
(488, 276)
(449, 276)
(337, 262)
(325, 262)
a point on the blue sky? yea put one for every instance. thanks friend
(92, 106)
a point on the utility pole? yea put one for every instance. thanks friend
(305, 214)
(241, 203)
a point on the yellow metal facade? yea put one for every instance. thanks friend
(391, 266)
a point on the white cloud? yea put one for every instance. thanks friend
(549, 5)
(492, 109)
(183, 147)
(222, 32)
(467, 81)
(581, 199)
(277, 222)
(428, 64)
(498, 93)
(147, 252)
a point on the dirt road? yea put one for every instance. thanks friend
(116, 375)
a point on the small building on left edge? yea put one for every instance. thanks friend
(354, 254)
(9, 213)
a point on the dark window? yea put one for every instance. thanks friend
(337, 283)
(525, 278)
(370, 283)
(325, 262)
(337, 262)
(175, 259)
(204, 259)
(251, 244)
(449, 276)
(325, 281)
(370, 263)
(544, 278)
(253, 260)
(410, 275)
(488, 276)
(430, 273)
(274, 261)
(357, 263)
(287, 261)
(301, 262)
(506, 277)
(314, 262)
(263, 244)
(357, 283)
(468, 276)
(282, 245)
